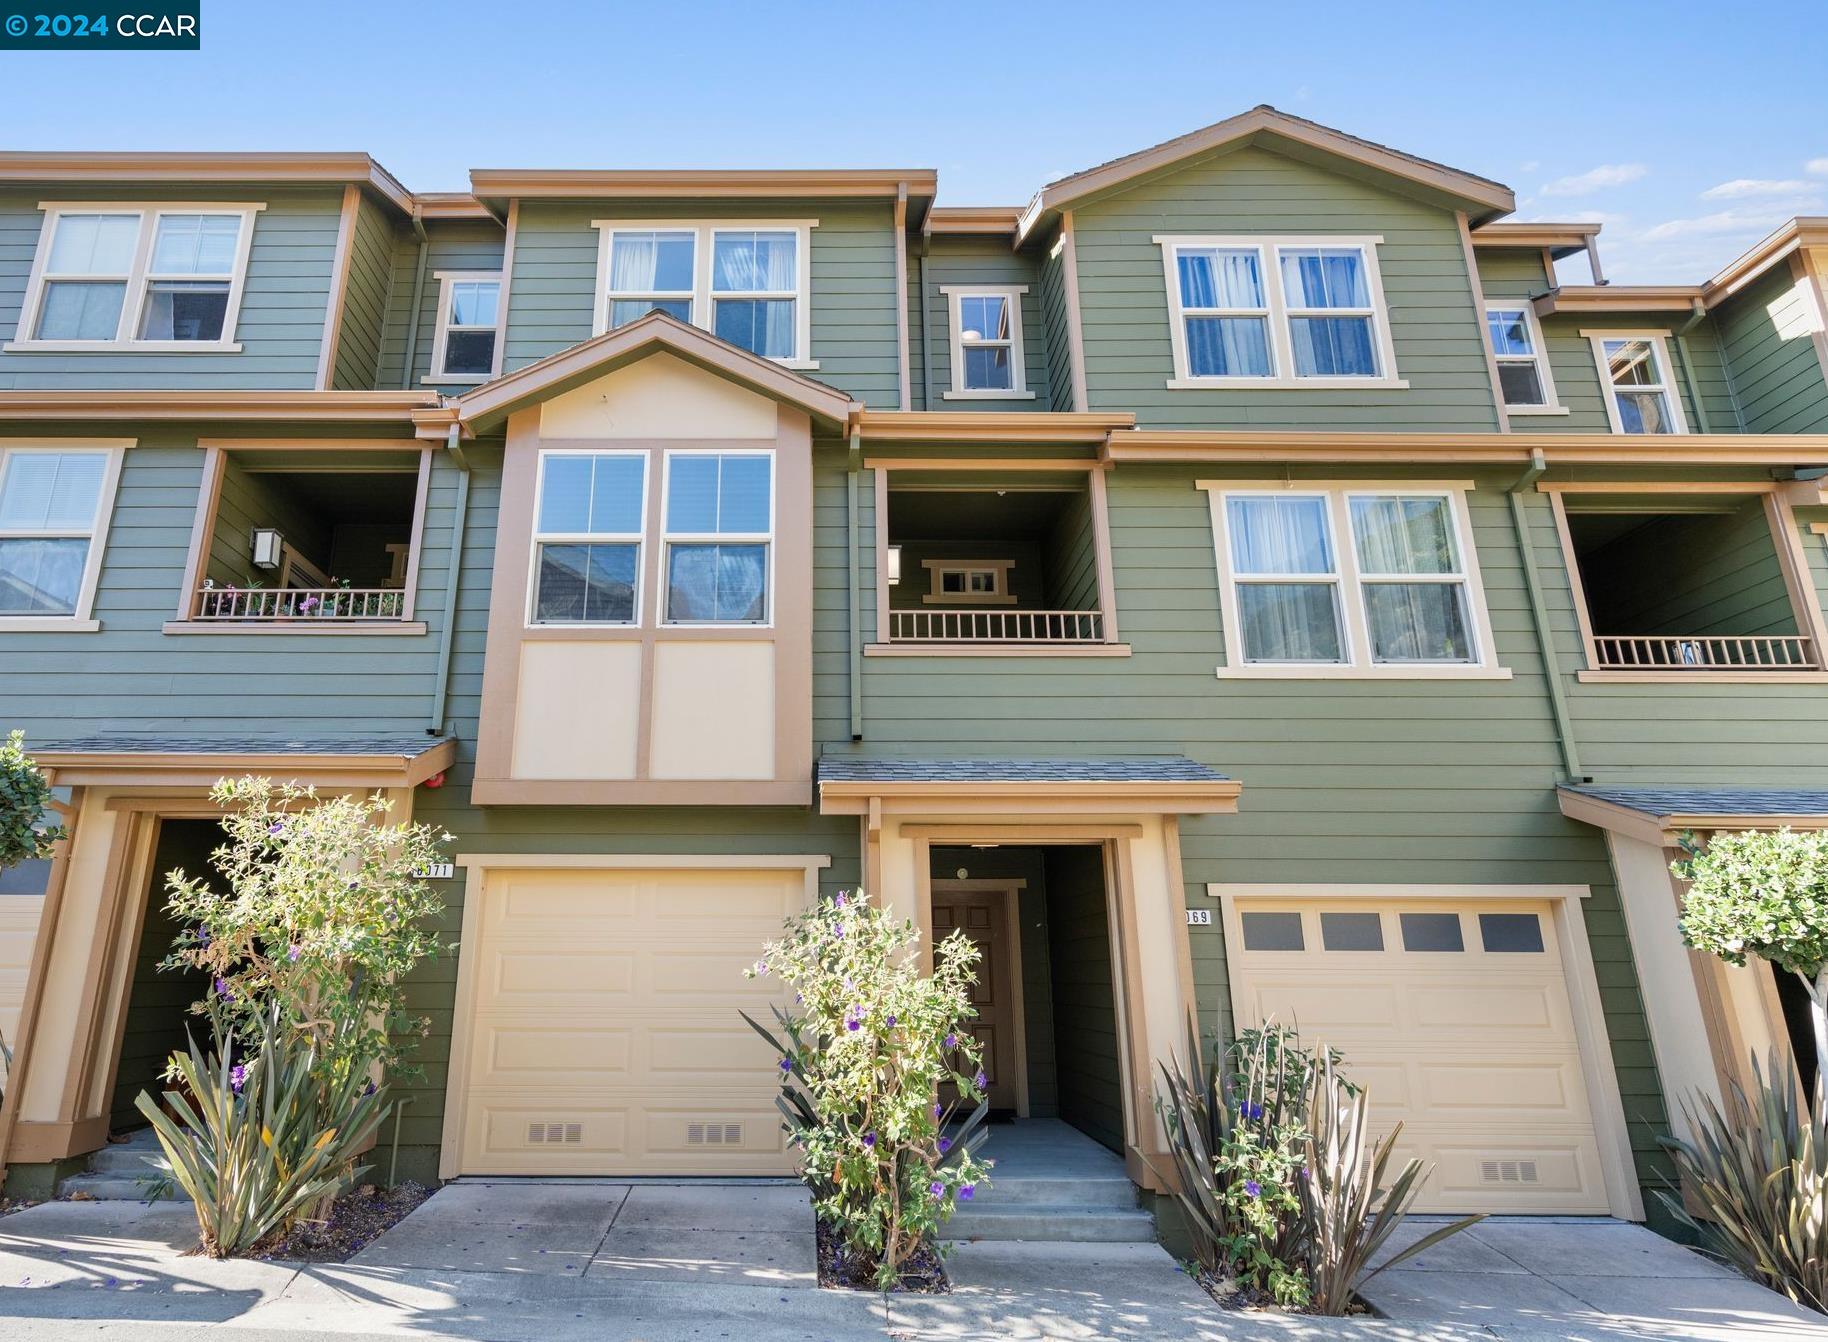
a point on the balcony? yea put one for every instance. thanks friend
(299, 539)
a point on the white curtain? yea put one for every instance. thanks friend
(754, 262)
(1214, 277)
(1417, 621)
(1290, 622)
(1404, 535)
(1279, 535)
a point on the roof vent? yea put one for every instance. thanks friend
(1508, 1172)
(554, 1134)
(714, 1134)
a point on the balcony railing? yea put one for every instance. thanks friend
(1765, 652)
(996, 626)
(302, 605)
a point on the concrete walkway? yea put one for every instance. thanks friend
(649, 1263)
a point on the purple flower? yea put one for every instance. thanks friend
(966, 1192)
(277, 827)
(890, 1022)
(869, 1140)
(238, 1076)
(980, 1080)
(1250, 1111)
(937, 1111)
(786, 1064)
(838, 901)
(222, 989)
(840, 930)
(1253, 1188)
(937, 1189)
(293, 953)
(951, 1041)
(853, 1022)
(368, 1089)
(945, 1145)
(203, 936)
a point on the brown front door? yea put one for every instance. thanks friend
(983, 916)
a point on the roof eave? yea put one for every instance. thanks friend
(34, 168)
(854, 796)
(1615, 298)
(153, 768)
(1221, 446)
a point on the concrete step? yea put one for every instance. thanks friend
(131, 1159)
(1058, 1191)
(1068, 1223)
(118, 1188)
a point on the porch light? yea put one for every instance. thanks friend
(267, 544)
(894, 564)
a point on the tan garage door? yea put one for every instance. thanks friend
(604, 1036)
(1457, 1019)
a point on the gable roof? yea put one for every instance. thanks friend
(1482, 198)
(1658, 814)
(490, 404)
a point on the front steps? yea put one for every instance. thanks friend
(124, 1172)
(1052, 1184)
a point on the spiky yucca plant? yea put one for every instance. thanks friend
(1759, 1169)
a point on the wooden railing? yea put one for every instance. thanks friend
(302, 605)
(1764, 652)
(996, 626)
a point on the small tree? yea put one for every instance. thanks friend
(1764, 893)
(322, 914)
(25, 805)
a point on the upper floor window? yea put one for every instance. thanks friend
(140, 277)
(469, 325)
(1634, 372)
(1348, 579)
(54, 504)
(587, 537)
(719, 534)
(1277, 312)
(746, 283)
(986, 329)
(1523, 363)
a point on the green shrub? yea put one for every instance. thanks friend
(258, 1143)
(867, 1046)
(25, 806)
(1759, 1169)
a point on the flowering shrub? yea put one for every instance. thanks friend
(868, 1044)
(25, 806)
(321, 916)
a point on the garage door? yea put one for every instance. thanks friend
(1456, 1018)
(605, 1037)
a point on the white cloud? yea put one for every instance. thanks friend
(1721, 223)
(1531, 166)
(1746, 188)
(1596, 179)
(1816, 167)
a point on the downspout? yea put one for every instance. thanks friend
(412, 321)
(1539, 614)
(851, 479)
(926, 360)
(447, 633)
(1688, 364)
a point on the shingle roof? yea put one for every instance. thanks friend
(407, 744)
(1150, 769)
(1662, 801)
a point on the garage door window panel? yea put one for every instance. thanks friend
(1273, 932)
(1432, 932)
(1352, 931)
(1511, 933)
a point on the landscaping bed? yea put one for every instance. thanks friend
(925, 1273)
(356, 1219)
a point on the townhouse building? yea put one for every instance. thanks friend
(1255, 578)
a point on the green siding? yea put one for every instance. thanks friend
(1072, 558)
(1056, 325)
(551, 302)
(964, 261)
(1124, 309)
(1766, 332)
(1085, 1010)
(249, 500)
(1708, 574)
(358, 350)
(282, 306)
(454, 245)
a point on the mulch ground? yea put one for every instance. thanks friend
(1228, 1293)
(355, 1219)
(923, 1274)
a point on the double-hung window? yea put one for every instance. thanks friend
(746, 283)
(139, 277)
(1523, 363)
(719, 537)
(987, 359)
(1344, 579)
(1277, 312)
(54, 505)
(588, 528)
(469, 325)
(1634, 374)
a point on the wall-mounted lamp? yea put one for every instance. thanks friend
(894, 564)
(267, 544)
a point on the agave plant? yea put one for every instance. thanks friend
(257, 1143)
(1349, 1209)
(1759, 1170)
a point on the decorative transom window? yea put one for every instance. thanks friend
(719, 537)
(1277, 312)
(1634, 373)
(588, 530)
(54, 505)
(1348, 579)
(469, 326)
(986, 340)
(139, 276)
(1523, 361)
(746, 283)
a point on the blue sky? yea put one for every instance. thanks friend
(1689, 134)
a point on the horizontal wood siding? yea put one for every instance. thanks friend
(358, 350)
(282, 307)
(1085, 998)
(1124, 302)
(1708, 574)
(1056, 326)
(975, 260)
(1766, 331)
(454, 245)
(552, 299)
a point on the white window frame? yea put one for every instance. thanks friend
(637, 538)
(81, 620)
(1659, 340)
(138, 278)
(669, 537)
(1269, 251)
(1350, 583)
(447, 282)
(704, 241)
(1551, 403)
(1011, 294)
(998, 595)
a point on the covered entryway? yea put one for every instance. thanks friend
(1461, 1010)
(597, 1016)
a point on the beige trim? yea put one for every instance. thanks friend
(845, 797)
(339, 289)
(1269, 445)
(1803, 270)
(1804, 599)
(1801, 232)
(699, 184)
(201, 769)
(510, 237)
(165, 406)
(998, 569)
(80, 620)
(1605, 1102)
(1101, 545)
(1075, 316)
(1577, 587)
(880, 524)
(985, 465)
(998, 650)
(451, 205)
(988, 426)
(393, 629)
(36, 973)
(1485, 342)
(1561, 239)
(1009, 890)
(1581, 298)
(25, 167)
(1000, 220)
(949, 834)
(904, 391)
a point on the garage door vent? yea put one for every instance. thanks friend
(554, 1134)
(714, 1134)
(1508, 1172)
